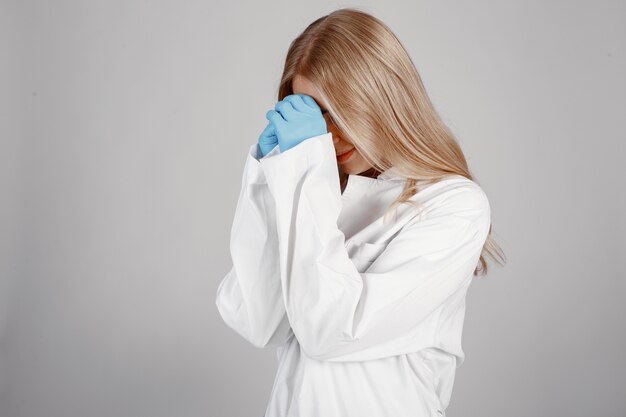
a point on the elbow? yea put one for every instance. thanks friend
(239, 323)
(258, 340)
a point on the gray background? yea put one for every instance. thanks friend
(124, 128)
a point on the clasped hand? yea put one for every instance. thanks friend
(294, 119)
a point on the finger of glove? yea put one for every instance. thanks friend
(275, 118)
(310, 101)
(268, 135)
(286, 109)
(298, 103)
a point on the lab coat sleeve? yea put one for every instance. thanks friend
(249, 297)
(338, 313)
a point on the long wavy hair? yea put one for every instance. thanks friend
(380, 85)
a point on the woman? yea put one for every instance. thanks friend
(366, 312)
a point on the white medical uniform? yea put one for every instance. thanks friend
(366, 316)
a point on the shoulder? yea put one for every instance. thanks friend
(456, 196)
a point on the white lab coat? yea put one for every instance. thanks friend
(367, 316)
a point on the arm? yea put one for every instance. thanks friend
(339, 314)
(249, 298)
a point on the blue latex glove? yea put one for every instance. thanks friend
(268, 139)
(296, 117)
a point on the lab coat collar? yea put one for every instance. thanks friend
(358, 184)
(361, 181)
(390, 174)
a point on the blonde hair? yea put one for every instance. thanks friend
(380, 84)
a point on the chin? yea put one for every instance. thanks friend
(353, 169)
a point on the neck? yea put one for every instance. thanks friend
(372, 173)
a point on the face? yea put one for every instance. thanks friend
(351, 162)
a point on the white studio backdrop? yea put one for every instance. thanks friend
(124, 127)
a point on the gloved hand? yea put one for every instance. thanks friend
(268, 139)
(296, 117)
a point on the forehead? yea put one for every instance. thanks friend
(302, 85)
